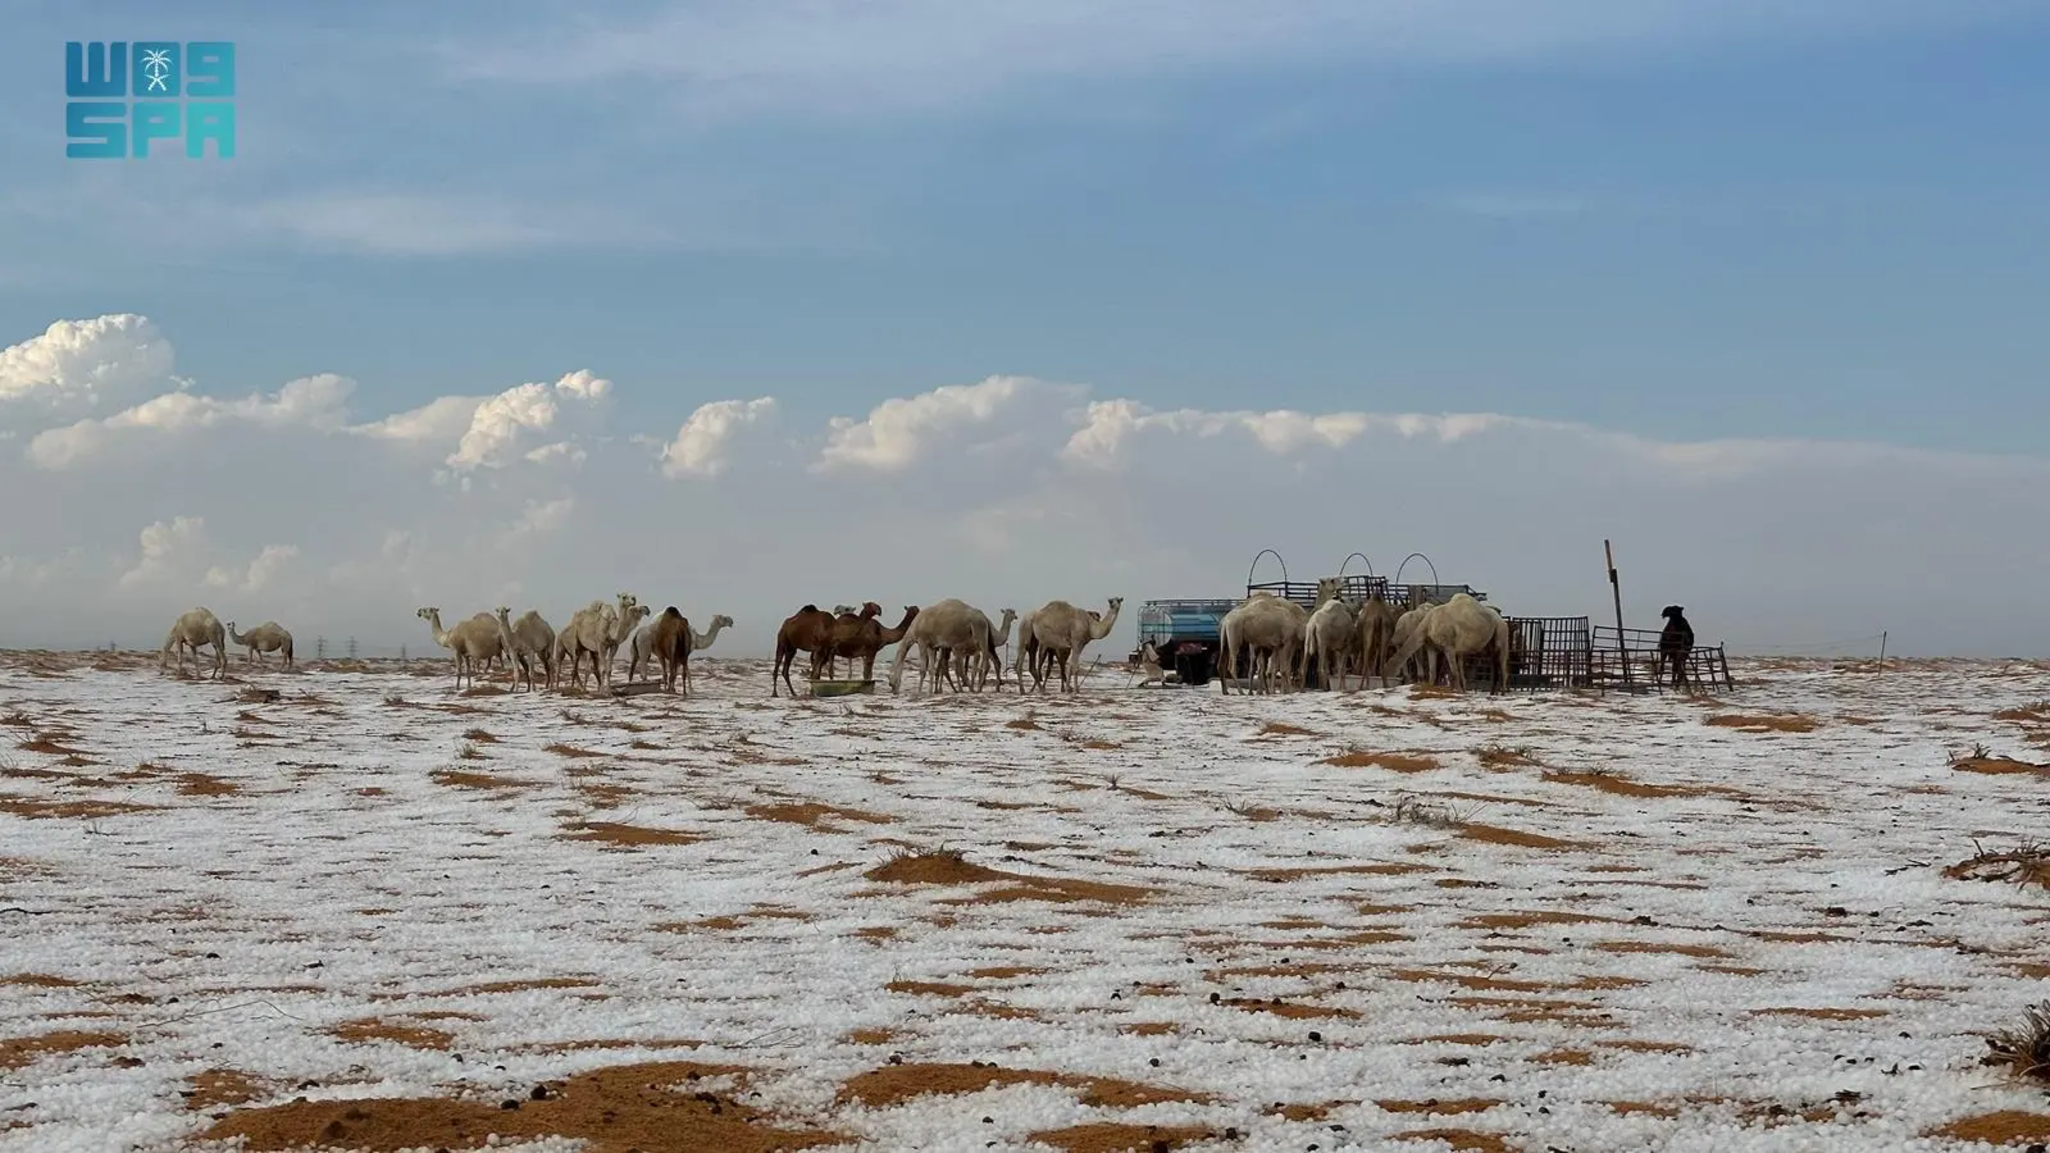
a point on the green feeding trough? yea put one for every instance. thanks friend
(841, 688)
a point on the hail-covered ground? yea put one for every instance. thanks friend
(352, 908)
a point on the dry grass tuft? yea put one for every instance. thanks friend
(1281, 729)
(1980, 759)
(2026, 864)
(571, 751)
(1393, 762)
(1499, 756)
(1764, 722)
(2024, 1051)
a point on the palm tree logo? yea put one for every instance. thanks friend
(156, 66)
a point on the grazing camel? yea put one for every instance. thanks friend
(803, 631)
(268, 637)
(1460, 628)
(194, 629)
(1410, 624)
(530, 642)
(1376, 625)
(1676, 646)
(943, 628)
(640, 655)
(1330, 636)
(469, 643)
(1267, 628)
(1061, 632)
(846, 620)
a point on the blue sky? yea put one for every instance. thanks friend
(1810, 219)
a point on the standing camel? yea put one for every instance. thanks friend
(942, 628)
(597, 630)
(640, 655)
(804, 631)
(1330, 636)
(268, 637)
(1268, 629)
(469, 643)
(1460, 628)
(866, 639)
(194, 629)
(1376, 626)
(531, 643)
(1062, 631)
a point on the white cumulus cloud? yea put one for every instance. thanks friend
(704, 443)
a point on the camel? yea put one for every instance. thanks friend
(1330, 638)
(999, 636)
(640, 655)
(1061, 632)
(194, 629)
(469, 643)
(803, 631)
(1408, 625)
(1027, 652)
(1676, 646)
(946, 628)
(1376, 623)
(1460, 628)
(529, 642)
(268, 637)
(597, 630)
(863, 639)
(1268, 628)
(846, 626)
(669, 643)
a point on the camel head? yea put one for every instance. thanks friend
(502, 612)
(872, 609)
(838, 610)
(428, 614)
(722, 621)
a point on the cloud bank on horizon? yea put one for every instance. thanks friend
(136, 493)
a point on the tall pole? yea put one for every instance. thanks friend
(1616, 590)
(1882, 650)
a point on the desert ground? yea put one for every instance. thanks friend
(349, 907)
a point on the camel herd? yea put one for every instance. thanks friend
(1280, 638)
(956, 643)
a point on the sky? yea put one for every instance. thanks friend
(743, 305)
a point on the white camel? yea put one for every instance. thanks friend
(597, 630)
(1330, 637)
(531, 643)
(470, 643)
(1460, 628)
(1061, 632)
(268, 637)
(639, 656)
(194, 629)
(1376, 627)
(990, 662)
(940, 629)
(1420, 663)
(1269, 629)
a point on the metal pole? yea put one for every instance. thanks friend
(1882, 650)
(1616, 590)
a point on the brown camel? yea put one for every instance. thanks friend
(863, 639)
(804, 631)
(846, 624)
(669, 644)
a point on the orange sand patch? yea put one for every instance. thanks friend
(1823, 1014)
(377, 1029)
(1495, 835)
(1279, 729)
(1564, 1057)
(33, 809)
(647, 1107)
(203, 785)
(1659, 947)
(458, 779)
(1024, 724)
(631, 836)
(896, 1084)
(1108, 1137)
(217, 1087)
(1625, 787)
(1468, 981)
(39, 981)
(927, 988)
(1435, 1106)
(571, 751)
(526, 986)
(1764, 722)
(16, 1052)
(1534, 917)
(1377, 869)
(813, 815)
(1289, 1009)
(1393, 762)
(2007, 1127)
(1463, 1140)
(948, 868)
(2000, 766)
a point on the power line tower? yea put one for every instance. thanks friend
(402, 654)
(352, 648)
(320, 648)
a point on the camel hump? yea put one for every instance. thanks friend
(809, 609)
(671, 612)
